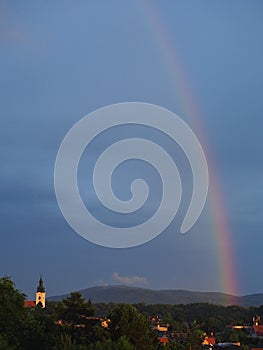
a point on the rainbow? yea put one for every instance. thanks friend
(227, 272)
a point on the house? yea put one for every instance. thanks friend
(164, 340)
(257, 331)
(209, 340)
(29, 304)
(162, 328)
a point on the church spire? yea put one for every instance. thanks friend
(41, 287)
(41, 293)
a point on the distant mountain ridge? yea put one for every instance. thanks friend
(133, 295)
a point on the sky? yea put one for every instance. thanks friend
(61, 60)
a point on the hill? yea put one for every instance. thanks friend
(133, 295)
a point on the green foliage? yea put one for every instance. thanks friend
(4, 344)
(78, 322)
(213, 324)
(74, 309)
(12, 312)
(127, 321)
(67, 343)
(212, 318)
(21, 328)
(129, 328)
(40, 332)
(121, 344)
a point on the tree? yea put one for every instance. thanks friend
(213, 324)
(126, 321)
(76, 317)
(21, 328)
(4, 344)
(121, 344)
(40, 332)
(195, 336)
(12, 312)
(73, 310)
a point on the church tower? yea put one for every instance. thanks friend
(41, 294)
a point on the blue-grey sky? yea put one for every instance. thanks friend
(61, 60)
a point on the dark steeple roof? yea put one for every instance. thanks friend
(40, 287)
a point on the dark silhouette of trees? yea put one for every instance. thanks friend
(12, 313)
(127, 321)
(74, 310)
(72, 325)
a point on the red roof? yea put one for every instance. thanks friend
(164, 340)
(29, 303)
(211, 340)
(258, 330)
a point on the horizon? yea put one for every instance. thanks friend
(140, 287)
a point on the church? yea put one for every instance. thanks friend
(40, 296)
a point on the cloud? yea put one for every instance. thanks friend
(129, 280)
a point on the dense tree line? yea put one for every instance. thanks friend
(69, 325)
(75, 324)
(212, 318)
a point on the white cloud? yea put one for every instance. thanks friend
(130, 280)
